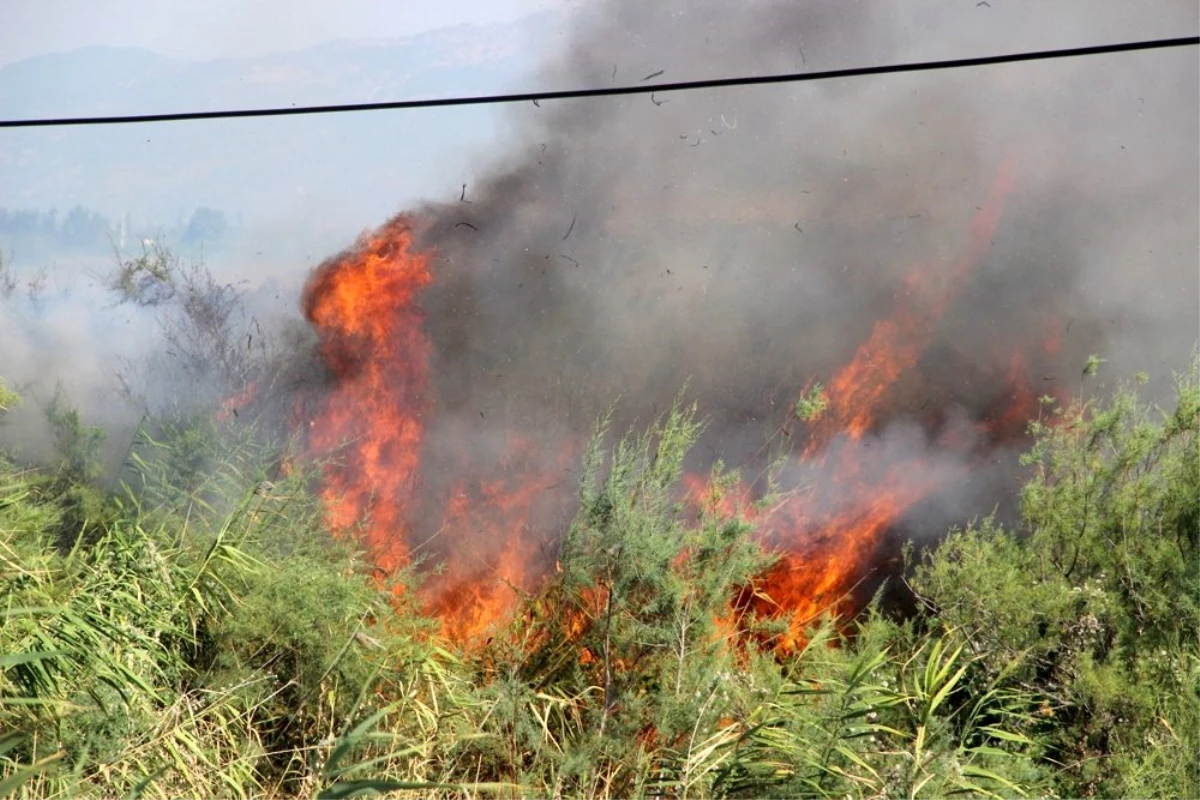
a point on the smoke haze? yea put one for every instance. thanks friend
(748, 242)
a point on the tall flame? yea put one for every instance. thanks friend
(369, 432)
(896, 343)
(363, 306)
(825, 554)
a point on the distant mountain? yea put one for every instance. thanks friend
(351, 165)
(109, 80)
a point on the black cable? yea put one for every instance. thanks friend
(571, 94)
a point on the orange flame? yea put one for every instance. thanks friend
(363, 305)
(240, 400)
(825, 557)
(489, 524)
(370, 430)
(896, 344)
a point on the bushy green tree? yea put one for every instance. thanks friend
(160, 654)
(651, 583)
(887, 712)
(1092, 601)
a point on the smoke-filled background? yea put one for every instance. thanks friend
(749, 239)
(746, 242)
(1007, 221)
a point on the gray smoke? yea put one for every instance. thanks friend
(745, 242)
(170, 353)
(51, 340)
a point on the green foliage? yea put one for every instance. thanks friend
(97, 637)
(208, 638)
(649, 585)
(148, 279)
(76, 467)
(885, 715)
(616, 676)
(812, 403)
(215, 353)
(1092, 366)
(8, 398)
(77, 447)
(160, 655)
(1094, 600)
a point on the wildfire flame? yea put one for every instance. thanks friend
(825, 555)
(897, 343)
(369, 432)
(365, 307)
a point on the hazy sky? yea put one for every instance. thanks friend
(219, 28)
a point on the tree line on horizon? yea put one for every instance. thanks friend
(33, 233)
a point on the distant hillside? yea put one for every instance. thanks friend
(352, 165)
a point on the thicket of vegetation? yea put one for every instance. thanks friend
(196, 632)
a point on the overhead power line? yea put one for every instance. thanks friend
(614, 91)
